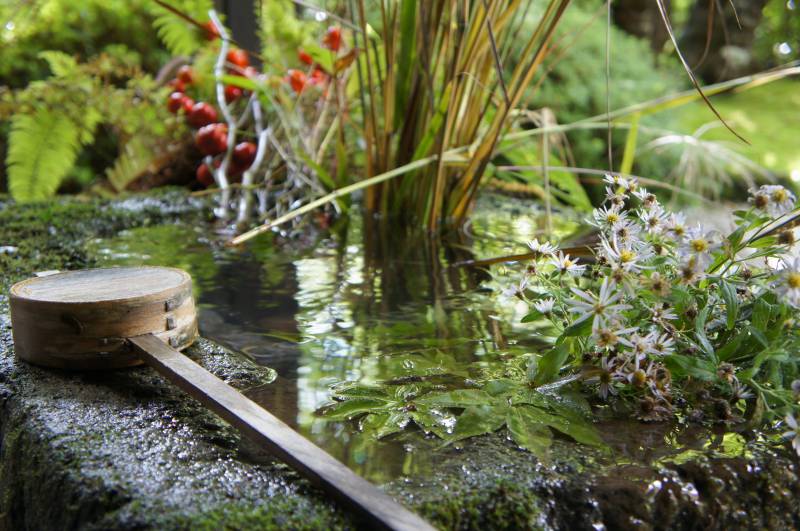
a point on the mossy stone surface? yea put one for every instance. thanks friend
(126, 450)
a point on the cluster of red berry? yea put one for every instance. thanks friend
(212, 136)
(299, 79)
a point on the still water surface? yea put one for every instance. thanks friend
(349, 306)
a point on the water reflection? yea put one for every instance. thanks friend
(356, 305)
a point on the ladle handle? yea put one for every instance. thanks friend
(295, 450)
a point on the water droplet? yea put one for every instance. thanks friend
(10, 25)
(783, 48)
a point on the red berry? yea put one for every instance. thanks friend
(238, 58)
(212, 139)
(185, 75)
(177, 85)
(201, 114)
(175, 101)
(211, 31)
(235, 171)
(186, 104)
(244, 154)
(333, 39)
(204, 175)
(297, 79)
(232, 93)
(305, 57)
(318, 77)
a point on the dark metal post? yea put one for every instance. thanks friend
(242, 17)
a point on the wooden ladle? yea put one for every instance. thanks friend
(119, 317)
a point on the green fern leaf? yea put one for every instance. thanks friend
(133, 161)
(42, 149)
(61, 64)
(179, 36)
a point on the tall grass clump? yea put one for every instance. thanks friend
(434, 78)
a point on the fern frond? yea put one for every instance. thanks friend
(133, 161)
(61, 64)
(179, 36)
(42, 148)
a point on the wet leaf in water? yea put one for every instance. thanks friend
(527, 432)
(478, 420)
(459, 398)
(574, 426)
(352, 408)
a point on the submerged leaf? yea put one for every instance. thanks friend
(350, 409)
(527, 431)
(479, 420)
(459, 398)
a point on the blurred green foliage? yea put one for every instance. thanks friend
(119, 28)
(575, 87)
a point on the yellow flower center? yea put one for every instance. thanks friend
(627, 256)
(612, 218)
(793, 279)
(780, 195)
(699, 245)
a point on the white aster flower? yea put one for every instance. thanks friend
(654, 219)
(788, 283)
(640, 345)
(542, 248)
(699, 244)
(565, 264)
(648, 199)
(605, 217)
(615, 196)
(691, 270)
(626, 257)
(794, 433)
(544, 306)
(774, 199)
(605, 376)
(662, 313)
(600, 308)
(676, 224)
(663, 345)
(626, 232)
(608, 336)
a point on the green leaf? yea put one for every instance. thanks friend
(359, 391)
(761, 313)
(405, 61)
(731, 303)
(178, 35)
(352, 408)
(581, 329)
(458, 398)
(700, 331)
(630, 145)
(61, 64)
(573, 426)
(43, 147)
(694, 367)
(242, 82)
(527, 431)
(500, 387)
(322, 56)
(380, 425)
(478, 420)
(550, 364)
